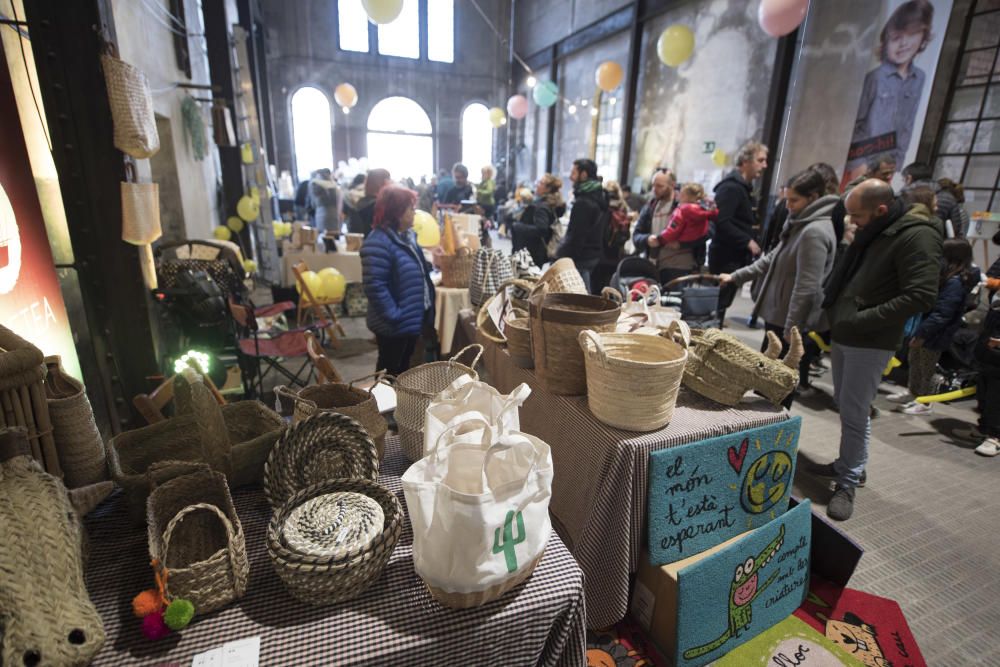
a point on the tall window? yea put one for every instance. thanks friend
(312, 131)
(353, 25)
(399, 139)
(609, 136)
(402, 36)
(477, 138)
(441, 30)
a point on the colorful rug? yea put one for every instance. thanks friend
(624, 645)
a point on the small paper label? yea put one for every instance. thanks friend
(240, 653)
(643, 603)
(497, 311)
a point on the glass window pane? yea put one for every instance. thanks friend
(949, 167)
(399, 114)
(982, 171)
(404, 155)
(402, 36)
(441, 30)
(977, 200)
(992, 107)
(966, 102)
(957, 137)
(975, 67)
(477, 139)
(988, 137)
(353, 26)
(985, 31)
(312, 131)
(995, 206)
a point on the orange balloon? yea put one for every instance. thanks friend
(609, 75)
(345, 95)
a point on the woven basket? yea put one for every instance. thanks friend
(479, 598)
(519, 341)
(131, 108)
(346, 399)
(78, 441)
(354, 242)
(325, 446)
(484, 323)
(196, 536)
(321, 579)
(416, 388)
(556, 323)
(518, 291)
(561, 277)
(456, 270)
(48, 618)
(22, 397)
(632, 379)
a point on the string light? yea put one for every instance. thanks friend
(346, 110)
(613, 100)
(531, 81)
(583, 103)
(572, 108)
(594, 111)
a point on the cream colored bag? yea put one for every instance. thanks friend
(131, 108)
(467, 400)
(141, 220)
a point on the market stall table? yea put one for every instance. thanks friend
(599, 486)
(449, 302)
(395, 622)
(348, 263)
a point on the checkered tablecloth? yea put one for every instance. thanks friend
(395, 622)
(599, 487)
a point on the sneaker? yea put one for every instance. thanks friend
(827, 470)
(874, 413)
(971, 433)
(902, 397)
(989, 447)
(920, 409)
(808, 391)
(841, 506)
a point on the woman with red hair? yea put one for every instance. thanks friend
(396, 279)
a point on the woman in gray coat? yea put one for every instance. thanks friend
(793, 274)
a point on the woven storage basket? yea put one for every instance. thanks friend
(324, 446)
(346, 399)
(710, 370)
(556, 323)
(562, 277)
(456, 270)
(324, 578)
(484, 323)
(131, 108)
(519, 341)
(196, 536)
(78, 441)
(354, 242)
(48, 618)
(22, 397)
(416, 388)
(632, 379)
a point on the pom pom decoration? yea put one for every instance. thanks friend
(154, 628)
(178, 614)
(146, 603)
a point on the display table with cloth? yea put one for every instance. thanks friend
(599, 487)
(348, 263)
(449, 302)
(395, 622)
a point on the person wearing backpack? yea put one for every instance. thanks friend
(588, 219)
(616, 235)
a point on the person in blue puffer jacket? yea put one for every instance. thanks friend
(396, 280)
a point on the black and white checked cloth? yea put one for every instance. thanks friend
(599, 485)
(395, 622)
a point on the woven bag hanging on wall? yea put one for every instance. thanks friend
(141, 220)
(131, 108)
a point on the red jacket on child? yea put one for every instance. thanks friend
(689, 222)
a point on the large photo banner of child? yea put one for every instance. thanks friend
(896, 89)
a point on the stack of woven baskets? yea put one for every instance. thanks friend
(334, 527)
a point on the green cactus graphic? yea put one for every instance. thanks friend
(509, 541)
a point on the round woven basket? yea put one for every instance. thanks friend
(710, 371)
(561, 277)
(632, 379)
(325, 446)
(519, 341)
(78, 441)
(324, 578)
(484, 323)
(333, 524)
(416, 388)
(196, 536)
(456, 270)
(556, 322)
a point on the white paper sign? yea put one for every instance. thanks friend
(643, 603)
(240, 653)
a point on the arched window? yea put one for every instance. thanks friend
(312, 131)
(399, 139)
(477, 138)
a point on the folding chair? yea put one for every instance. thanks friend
(260, 353)
(151, 405)
(317, 309)
(325, 370)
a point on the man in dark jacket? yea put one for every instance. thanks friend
(888, 274)
(587, 218)
(654, 217)
(734, 243)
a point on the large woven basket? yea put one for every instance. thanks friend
(710, 370)
(321, 579)
(78, 441)
(456, 270)
(556, 323)
(324, 446)
(22, 397)
(519, 341)
(196, 536)
(632, 379)
(561, 277)
(416, 388)
(48, 618)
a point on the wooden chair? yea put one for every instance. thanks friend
(151, 405)
(318, 310)
(326, 372)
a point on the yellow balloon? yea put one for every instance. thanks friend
(675, 45)
(222, 233)
(609, 75)
(345, 95)
(249, 265)
(286, 228)
(426, 228)
(255, 194)
(382, 11)
(246, 153)
(235, 223)
(719, 157)
(247, 208)
(312, 281)
(332, 284)
(497, 117)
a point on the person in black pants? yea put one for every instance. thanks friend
(734, 243)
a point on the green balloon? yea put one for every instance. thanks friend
(545, 93)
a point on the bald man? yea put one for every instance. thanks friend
(655, 216)
(888, 274)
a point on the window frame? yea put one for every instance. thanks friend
(432, 135)
(340, 46)
(291, 124)
(423, 57)
(461, 134)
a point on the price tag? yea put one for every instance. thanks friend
(643, 603)
(497, 310)
(240, 653)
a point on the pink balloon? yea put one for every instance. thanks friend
(517, 106)
(779, 17)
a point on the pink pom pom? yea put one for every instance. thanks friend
(153, 627)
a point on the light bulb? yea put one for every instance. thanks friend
(346, 110)
(594, 111)
(531, 81)
(583, 103)
(572, 108)
(613, 100)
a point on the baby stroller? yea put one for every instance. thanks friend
(697, 296)
(633, 272)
